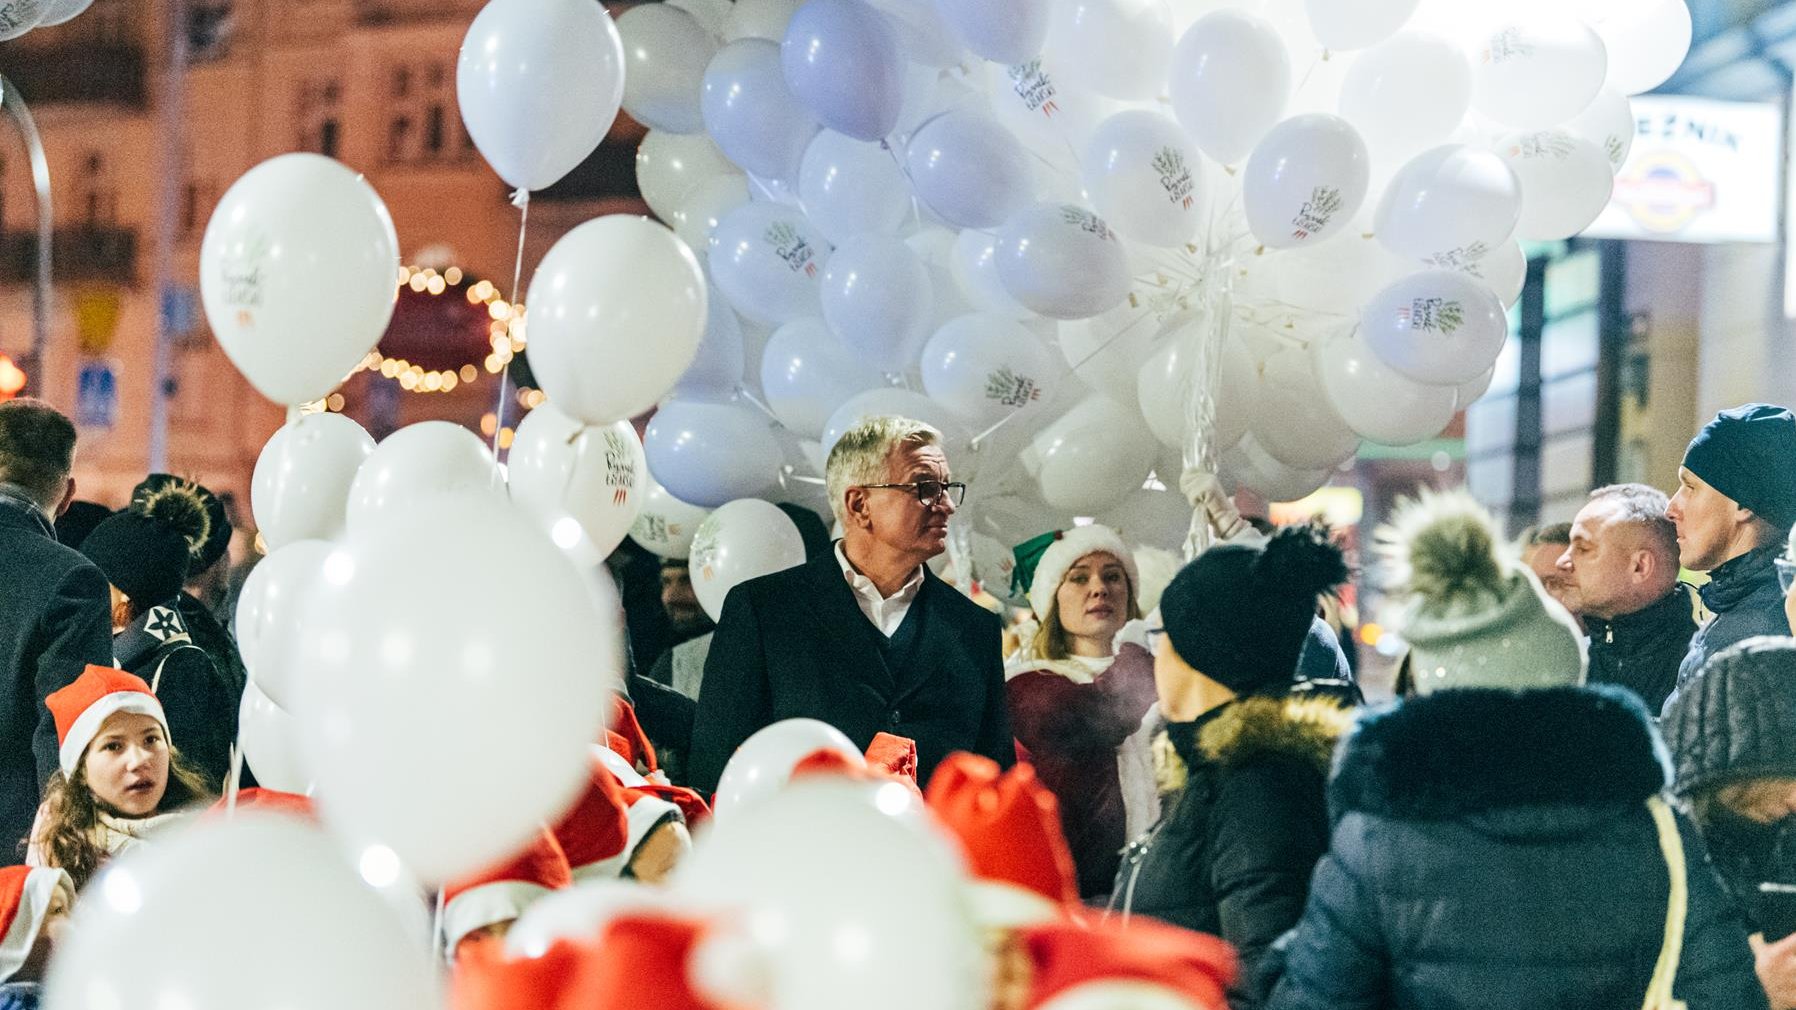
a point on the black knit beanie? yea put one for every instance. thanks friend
(1238, 613)
(159, 493)
(145, 558)
(1737, 719)
(1749, 454)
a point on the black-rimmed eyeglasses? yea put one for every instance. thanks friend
(929, 491)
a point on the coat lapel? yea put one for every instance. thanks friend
(857, 650)
(935, 641)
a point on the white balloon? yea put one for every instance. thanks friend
(58, 12)
(288, 231)
(617, 308)
(923, 37)
(1050, 118)
(1537, 69)
(1566, 183)
(269, 739)
(768, 261)
(419, 463)
(1407, 94)
(1437, 326)
(716, 368)
(760, 19)
(1118, 48)
(1003, 31)
(20, 16)
(1333, 278)
(1292, 418)
(539, 83)
(1466, 393)
(393, 661)
(974, 267)
(696, 219)
(985, 368)
(1646, 41)
(751, 114)
(1305, 181)
(671, 166)
(763, 765)
(1608, 122)
(561, 468)
(714, 15)
(1252, 467)
(798, 862)
(850, 188)
(268, 613)
(1145, 176)
(878, 300)
(903, 403)
(300, 488)
(1356, 24)
(1230, 80)
(829, 43)
(744, 539)
(1376, 402)
(710, 453)
(1062, 261)
(1152, 518)
(1163, 377)
(1092, 457)
(665, 52)
(806, 373)
(665, 525)
(1450, 201)
(1106, 351)
(290, 889)
(969, 169)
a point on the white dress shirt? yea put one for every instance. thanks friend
(886, 612)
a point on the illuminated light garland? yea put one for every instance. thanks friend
(506, 334)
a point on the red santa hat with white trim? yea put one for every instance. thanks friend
(1146, 966)
(82, 708)
(1009, 825)
(502, 893)
(627, 738)
(1065, 551)
(25, 896)
(594, 834)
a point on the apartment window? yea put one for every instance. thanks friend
(318, 113)
(97, 192)
(210, 26)
(423, 126)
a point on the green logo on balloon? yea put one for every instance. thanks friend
(1433, 315)
(1315, 214)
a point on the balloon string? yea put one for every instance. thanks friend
(1081, 363)
(236, 777)
(520, 200)
(743, 392)
(916, 208)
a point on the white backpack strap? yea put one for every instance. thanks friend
(1671, 844)
(156, 678)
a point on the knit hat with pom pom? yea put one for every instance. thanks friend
(147, 550)
(1475, 617)
(1239, 612)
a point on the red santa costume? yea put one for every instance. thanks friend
(500, 895)
(1079, 720)
(26, 896)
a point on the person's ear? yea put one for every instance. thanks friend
(1645, 565)
(68, 497)
(857, 504)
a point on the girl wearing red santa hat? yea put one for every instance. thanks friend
(34, 902)
(120, 780)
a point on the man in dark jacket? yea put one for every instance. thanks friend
(865, 637)
(54, 617)
(1735, 503)
(1620, 574)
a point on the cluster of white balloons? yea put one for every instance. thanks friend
(20, 16)
(891, 194)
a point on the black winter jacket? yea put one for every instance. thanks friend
(1643, 650)
(1232, 853)
(1747, 601)
(1493, 849)
(54, 622)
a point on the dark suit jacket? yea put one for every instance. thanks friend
(795, 644)
(55, 619)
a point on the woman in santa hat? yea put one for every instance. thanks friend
(1077, 697)
(121, 779)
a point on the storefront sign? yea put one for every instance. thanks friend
(1700, 171)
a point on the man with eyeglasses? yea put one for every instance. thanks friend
(1735, 503)
(864, 637)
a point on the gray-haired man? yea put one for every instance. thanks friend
(864, 637)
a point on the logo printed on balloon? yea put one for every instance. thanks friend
(704, 550)
(656, 529)
(1010, 389)
(1433, 315)
(1175, 176)
(241, 274)
(1315, 214)
(620, 466)
(1033, 85)
(1465, 259)
(1086, 221)
(1508, 44)
(790, 246)
(1545, 144)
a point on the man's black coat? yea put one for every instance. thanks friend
(796, 644)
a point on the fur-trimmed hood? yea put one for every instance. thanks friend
(1306, 728)
(1472, 751)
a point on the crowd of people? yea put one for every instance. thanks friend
(1583, 795)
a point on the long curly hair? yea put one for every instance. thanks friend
(69, 835)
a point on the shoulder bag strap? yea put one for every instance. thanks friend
(1671, 844)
